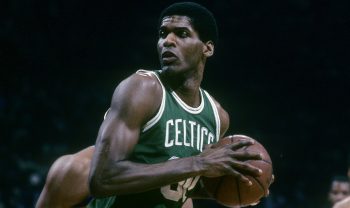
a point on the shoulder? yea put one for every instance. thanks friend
(138, 95)
(70, 165)
(59, 168)
(80, 161)
(52, 191)
(141, 83)
(66, 181)
(141, 80)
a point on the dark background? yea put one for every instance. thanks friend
(281, 70)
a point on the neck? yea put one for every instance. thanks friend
(186, 86)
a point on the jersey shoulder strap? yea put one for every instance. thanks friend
(158, 115)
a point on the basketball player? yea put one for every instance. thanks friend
(150, 148)
(67, 182)
(345, 203)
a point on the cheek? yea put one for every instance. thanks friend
(193, 53)
(159, 47)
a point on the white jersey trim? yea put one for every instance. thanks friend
(188, 108)
(159, 114)
(216, 115)
(104, 117)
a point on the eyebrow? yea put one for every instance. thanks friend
(175, 28)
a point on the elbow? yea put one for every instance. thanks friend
(96, 187)
(102, 185)
(106, 181)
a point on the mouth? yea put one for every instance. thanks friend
(168, 57)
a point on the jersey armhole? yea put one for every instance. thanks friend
(216, 115)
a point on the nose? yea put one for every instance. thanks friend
(169, 40)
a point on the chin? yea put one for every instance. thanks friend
(169, 69)
(173, 69)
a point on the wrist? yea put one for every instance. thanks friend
(198, 165)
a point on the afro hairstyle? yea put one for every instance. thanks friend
(202, 19)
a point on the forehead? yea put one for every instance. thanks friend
(176, 20)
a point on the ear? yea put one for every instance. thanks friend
(208, 49)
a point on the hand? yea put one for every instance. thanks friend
(267, 193)
(229, 159)
(271, 182)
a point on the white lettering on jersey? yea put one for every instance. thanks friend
(176, 134)
(168, 143)
(185, 134)
(204, 132)
(192, 124)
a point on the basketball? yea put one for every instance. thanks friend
(230, 191)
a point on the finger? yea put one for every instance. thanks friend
(247, 155)
(240, 177)
(241, 143)
(208, 146)
(255, 203)
(272, 179)
(246, 168)
(213, 146)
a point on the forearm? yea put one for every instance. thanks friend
(125, 177)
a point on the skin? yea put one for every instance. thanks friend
(137, 99)
(345, 203)
(339, 191)
(67, 181)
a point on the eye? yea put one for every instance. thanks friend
(183, 34)
(162, 34)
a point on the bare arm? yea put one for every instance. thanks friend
(51, 187)
(134, 102)
(67, 181)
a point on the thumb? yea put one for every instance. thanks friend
(209, 146)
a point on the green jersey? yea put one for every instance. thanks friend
(176, 131)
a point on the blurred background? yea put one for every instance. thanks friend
(281, 69)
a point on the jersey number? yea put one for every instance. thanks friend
(178, 192)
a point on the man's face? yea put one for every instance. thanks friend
(339, 190)
(179, 46)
